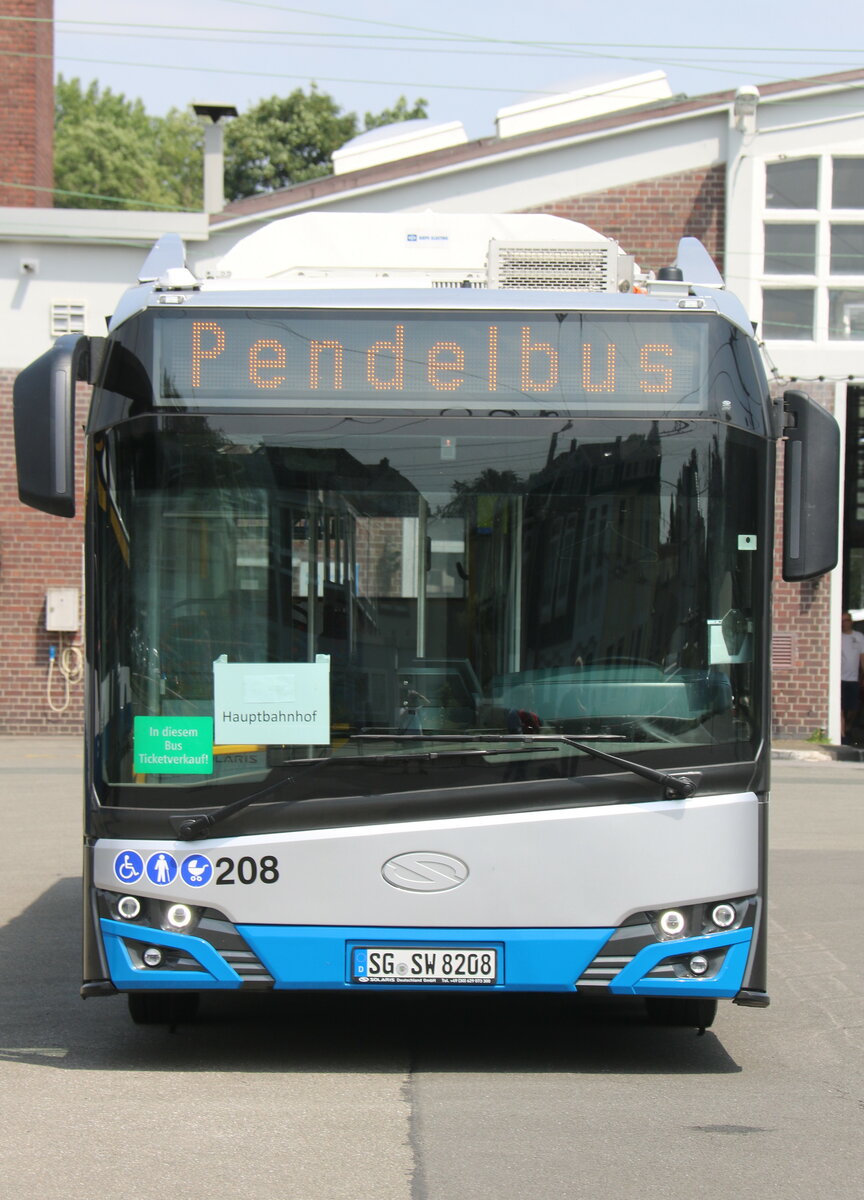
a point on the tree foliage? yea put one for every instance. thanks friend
(283, 140)
(289, 139)
(109, 153)
(399, 112)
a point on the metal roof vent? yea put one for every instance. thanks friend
(570, 266)
(391, 143)
(595, 100)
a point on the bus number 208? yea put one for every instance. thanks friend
(247, 870)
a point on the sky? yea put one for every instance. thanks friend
(466, 59)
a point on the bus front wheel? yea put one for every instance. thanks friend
(681, 1013)
(163, 1008)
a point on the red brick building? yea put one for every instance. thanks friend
(27, 102)
(36, 551)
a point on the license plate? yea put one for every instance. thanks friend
(455, 965)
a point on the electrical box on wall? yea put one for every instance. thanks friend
(62, 610)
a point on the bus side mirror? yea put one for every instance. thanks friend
(811, 488)
(43, 400)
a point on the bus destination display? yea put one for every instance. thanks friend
(274, 358)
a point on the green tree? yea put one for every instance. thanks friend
(108, 153)
(289, 139)
(179, 154)
(284, 140)
(399, 112)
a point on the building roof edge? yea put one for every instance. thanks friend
(484, 150)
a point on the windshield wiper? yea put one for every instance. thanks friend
(192, 828)
(675, 787)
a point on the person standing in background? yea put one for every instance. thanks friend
(851, 670)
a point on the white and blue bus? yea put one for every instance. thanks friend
(428, 615)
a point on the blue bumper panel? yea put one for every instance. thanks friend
(632, 981)
(125, 975)
(318, 957)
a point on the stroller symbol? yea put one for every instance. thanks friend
(196, 870)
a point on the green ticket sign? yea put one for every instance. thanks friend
(173, 745)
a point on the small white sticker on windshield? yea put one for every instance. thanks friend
(746, 541)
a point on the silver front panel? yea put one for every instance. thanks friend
(575, 867)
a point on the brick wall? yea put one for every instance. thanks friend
(648, 218)
(26, 103)
(378, 547)
(37, 551)
(801, 628)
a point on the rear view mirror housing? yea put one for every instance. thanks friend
(43, 401)
(811, 488)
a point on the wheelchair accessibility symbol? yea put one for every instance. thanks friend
(196, 870)
(128, 866)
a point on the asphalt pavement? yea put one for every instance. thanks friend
(313, 1098)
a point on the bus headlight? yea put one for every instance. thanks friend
(672, 922)
(723, 915)
(179, 916)
(698, 964)
(128, 907)
(152, 956)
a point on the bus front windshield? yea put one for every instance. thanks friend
(278, 588)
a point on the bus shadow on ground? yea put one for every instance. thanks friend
(45, 1023)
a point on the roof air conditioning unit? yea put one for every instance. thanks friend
(565, 266)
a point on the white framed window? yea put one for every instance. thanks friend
(813, 261)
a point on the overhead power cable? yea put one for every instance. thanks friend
(258, 74)
(310, 76)
(462, 36)
(265, 37)
(140, 205)
(165, 32)
(558, 48)
(460, 42)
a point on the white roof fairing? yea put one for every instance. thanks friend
(316, 243)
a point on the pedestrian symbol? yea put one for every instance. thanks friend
(161, 868)
(128, 866)
(196, 870)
